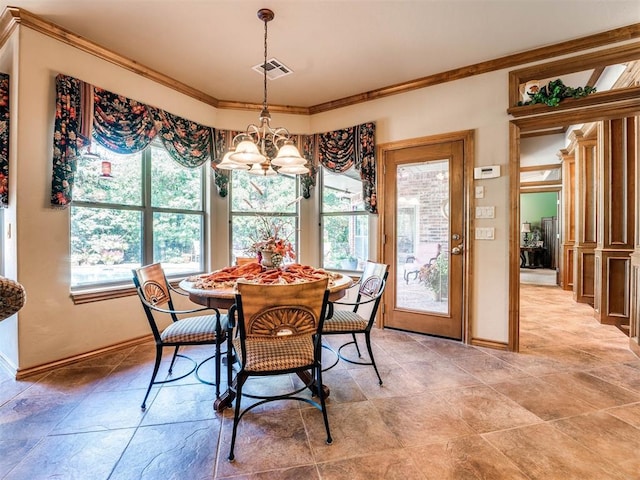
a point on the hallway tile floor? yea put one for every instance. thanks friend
(566, 407)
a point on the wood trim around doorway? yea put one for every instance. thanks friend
(468, 139)
(516, 128)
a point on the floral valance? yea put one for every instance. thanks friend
(124, 125)
(68, 137)
(120, 124)
(4, 140)
(355, 146)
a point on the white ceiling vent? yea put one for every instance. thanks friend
(275, 69)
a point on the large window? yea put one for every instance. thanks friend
(256, 200)
(134, 210)
(345, 223)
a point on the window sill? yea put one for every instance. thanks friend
(98, 294)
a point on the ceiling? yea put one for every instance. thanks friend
(336, 48)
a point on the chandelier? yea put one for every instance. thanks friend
(253, 149)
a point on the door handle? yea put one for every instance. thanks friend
(457, 250)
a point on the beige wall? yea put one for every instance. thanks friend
(50, 327)
(468, 104)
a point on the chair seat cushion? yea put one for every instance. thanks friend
(277, 353)
(193, 329)
(344, 321)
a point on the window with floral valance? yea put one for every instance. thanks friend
(124, 125)
(337, 151)
(4, 140)
(120, 124)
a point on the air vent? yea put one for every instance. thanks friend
(275, 69)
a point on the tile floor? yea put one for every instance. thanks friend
(566, 407)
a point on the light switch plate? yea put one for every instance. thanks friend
(486, 212)
(479, 191)
(485, 233)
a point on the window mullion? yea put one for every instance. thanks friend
(147, 215)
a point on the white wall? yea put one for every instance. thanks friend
(543, 150)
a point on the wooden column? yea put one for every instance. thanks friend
(634, 301)
(634, 289)
(568, 219)
(616, 217)
(586, 160)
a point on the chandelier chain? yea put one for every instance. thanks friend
(249, 150)
(264, 65)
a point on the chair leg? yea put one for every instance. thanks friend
(240, 379)
(218, 361)
(173, 360)
(373, 361)
(320, 390)
(156, 366)
(230, 360)
(355, 342)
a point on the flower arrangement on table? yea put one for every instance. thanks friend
(272, 245)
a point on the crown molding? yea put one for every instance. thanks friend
(13, 16)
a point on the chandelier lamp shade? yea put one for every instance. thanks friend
(250, 149)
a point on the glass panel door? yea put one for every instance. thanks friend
(423, 232)
(422, 209)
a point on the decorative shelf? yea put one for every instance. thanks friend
(610, 96)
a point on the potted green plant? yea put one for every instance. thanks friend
(435, 277)
(554, 92)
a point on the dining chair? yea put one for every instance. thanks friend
(358, 316)
(155, 294)
(279, 331)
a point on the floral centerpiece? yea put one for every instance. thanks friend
(272, 245)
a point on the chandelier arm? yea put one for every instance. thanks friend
(280, 134)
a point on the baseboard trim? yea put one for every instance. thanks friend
(47, 367)
(481, 342)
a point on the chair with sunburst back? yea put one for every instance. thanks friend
(279, 331)
(347, 317)
(155, 294)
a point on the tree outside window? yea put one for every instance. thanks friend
(255, 199)
(150, 209)
(345, 223)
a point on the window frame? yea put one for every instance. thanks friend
(119, 288)
(350, 213)
(267, 214)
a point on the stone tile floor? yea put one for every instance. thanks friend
(566, 407)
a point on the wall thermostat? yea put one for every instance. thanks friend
(492, 171)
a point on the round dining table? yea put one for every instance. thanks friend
(224, 298)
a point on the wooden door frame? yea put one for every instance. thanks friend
(467, 137)
(559, 209)
(517, 127)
